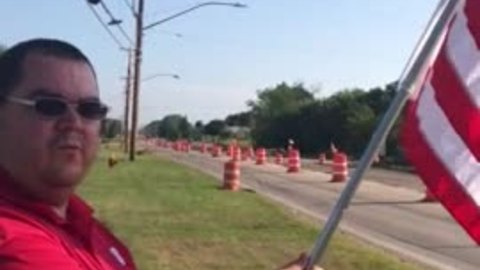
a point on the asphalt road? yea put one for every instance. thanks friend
(385, 210)
(385, 176)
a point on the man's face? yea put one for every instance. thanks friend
(49, 152)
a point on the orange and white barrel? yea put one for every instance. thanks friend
(339, 167)
(176, 146)
(216, 151)
(231, 176)
(261, 156)
(237, 154)
(187, 147)
(293, 161)
(203, 148)
(230, 150)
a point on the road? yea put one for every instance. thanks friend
(385, 212)
(385, 176)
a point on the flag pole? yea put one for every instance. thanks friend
(427, 43)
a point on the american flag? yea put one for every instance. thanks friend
(441, 129)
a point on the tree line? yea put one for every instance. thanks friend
(286, 112)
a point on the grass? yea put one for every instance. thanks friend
(173, 218)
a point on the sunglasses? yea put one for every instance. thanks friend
(56, 107)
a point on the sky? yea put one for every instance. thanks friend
(224, 55)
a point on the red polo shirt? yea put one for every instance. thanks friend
(32, 236)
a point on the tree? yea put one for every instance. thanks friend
(281, 99)
(243, 119)
(152, 129)
(171, 127)
(174, 127)
(111, 128)
(275, 111)
(214, 127)
(360, 122)
(199, 125)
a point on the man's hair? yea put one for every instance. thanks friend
(11, 60)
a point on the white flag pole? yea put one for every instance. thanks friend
(427, 43)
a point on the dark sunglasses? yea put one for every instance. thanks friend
(55, 107)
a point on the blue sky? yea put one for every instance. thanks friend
(226, 54)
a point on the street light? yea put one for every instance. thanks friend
(138, 55)
(212, 3)
(114, 21)
(175, 76)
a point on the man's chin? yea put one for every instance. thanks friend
(66, 178)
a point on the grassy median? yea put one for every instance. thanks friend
(176, 218)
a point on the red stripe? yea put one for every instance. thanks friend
(437, 178)
(452, 96)
(472, 11)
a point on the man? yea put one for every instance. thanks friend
(50, 114)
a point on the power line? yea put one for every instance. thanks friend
(105, 26)
(125, 34)
(130, 6)
(115, 21)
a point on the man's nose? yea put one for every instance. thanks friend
(71, 118)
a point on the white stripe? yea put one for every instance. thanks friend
(115, 253)
(447, 145)
(465, 56)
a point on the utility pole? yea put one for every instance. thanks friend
(138, 57)
(128, 87)
(136, 76)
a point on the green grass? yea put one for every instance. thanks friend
(176, 218)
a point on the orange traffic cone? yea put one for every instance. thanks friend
(261, 156)
(339, 167)
(237, 154)
(216, 151)
(293, 161)
(203, 148)
(231, 176)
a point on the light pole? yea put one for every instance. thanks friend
(138, 56)
(128, 80)
(136, 76)
(128, 86)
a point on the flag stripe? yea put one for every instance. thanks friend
(437, 178)
(446, 144)
(441, 134)
(465, 56)
(472, 10)
(456, 103)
